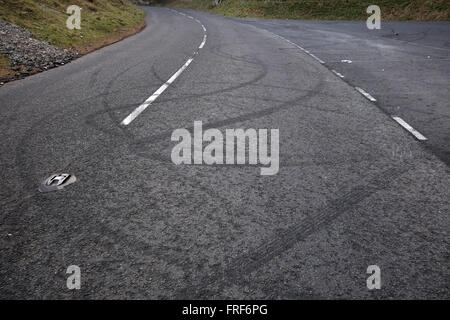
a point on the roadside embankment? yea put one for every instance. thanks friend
(391, 10)
(34, 36)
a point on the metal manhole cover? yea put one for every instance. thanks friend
(57, 182)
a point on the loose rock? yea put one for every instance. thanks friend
(29, 55)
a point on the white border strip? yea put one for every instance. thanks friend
(413, 131)
(365, 94)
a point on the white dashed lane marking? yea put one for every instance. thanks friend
(136, 112)
(365, 94)
(203, 42)
(155, 95)
(399, 120)
(413, 131)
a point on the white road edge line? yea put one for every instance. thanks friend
(318, 59)
(136, 112)
(365, 94)
(340, 75)
(413, 131)
(301, 48)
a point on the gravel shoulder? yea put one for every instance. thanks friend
(28, 55)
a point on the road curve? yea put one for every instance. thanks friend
(404, 65)
(354, 188)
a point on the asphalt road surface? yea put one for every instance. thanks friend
(354, 187)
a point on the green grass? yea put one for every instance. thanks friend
(102, 21)
(5, 68)
(391, 10)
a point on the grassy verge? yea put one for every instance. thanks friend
(5, 68)
(391, 10)
(102, 21)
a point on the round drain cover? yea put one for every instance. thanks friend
(57, 182)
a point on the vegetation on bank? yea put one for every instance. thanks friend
(391, 10)
(5, 67)
(102, 21)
